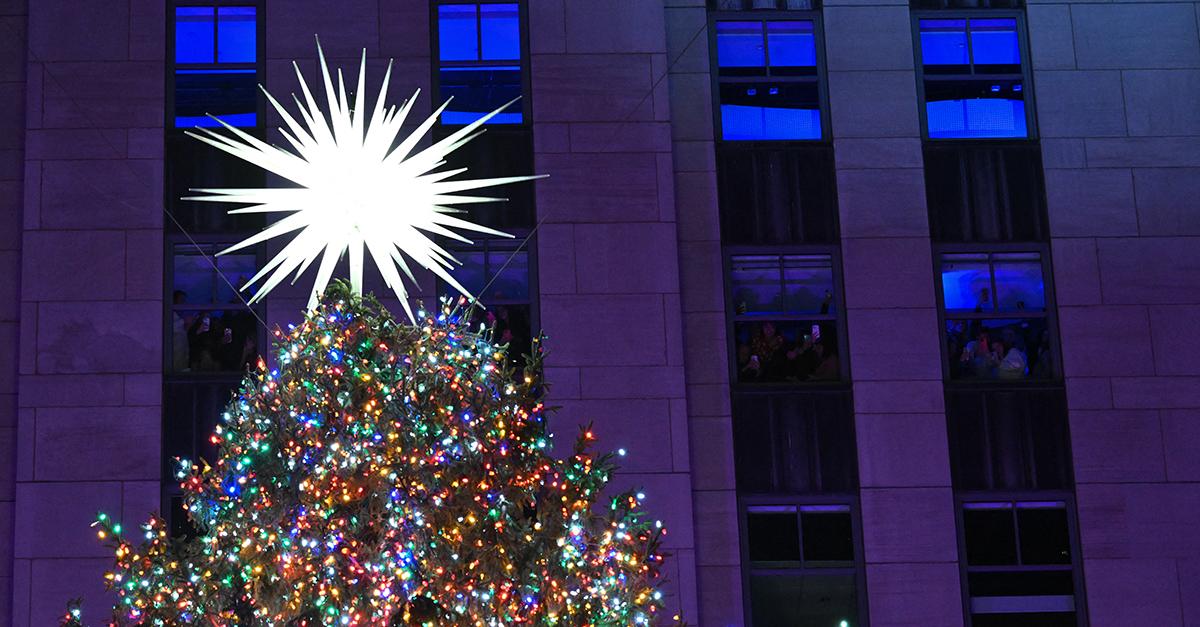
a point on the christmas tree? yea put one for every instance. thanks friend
(387, 473)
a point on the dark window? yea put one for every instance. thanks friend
(479, 61)
(785, 322)
(502, 277)
(802, 564)
(995, 311)
(216, 65)
(498, 152)
(1008, 439)
(192, 164)
(1019, 563)
(192, 408)
(770, 194)
(768, 80)
(794, 443)
(974, 80)
(211, 329)
(755, 5)
(985, 193)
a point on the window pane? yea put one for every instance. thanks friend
(1019, 285)
(828, 539)
(756, 284)
(776, 194)
(944, 43)
(795, 600)
(966, 283)
(999, 349)
(231, 95)
(777, 351)
(1044, 535)
(767, 110)
(773, 535)
(501, 31)
(994, 45)
(478, 91)
(194, 35)
(975, 108)
(808, 284)
(470, 274)
(740, 45)
(990, 534)
(792, 45)
(511, 283)
(237, 35)
(237, 269)
(458, 39)
(512, 324)
(220, 340)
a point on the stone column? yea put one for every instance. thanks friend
(907, 503)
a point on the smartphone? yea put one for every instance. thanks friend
(816, 332)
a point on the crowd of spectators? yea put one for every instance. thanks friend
(801, 352)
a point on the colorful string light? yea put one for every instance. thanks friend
(391, 474)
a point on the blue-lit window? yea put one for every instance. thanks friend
(974, 83)
(996, 316)
(479, 56)
(216, 55)
(768, 80)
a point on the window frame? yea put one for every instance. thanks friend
(1050, 315)
(838, 318)
(169, 308)
(1026, 68)
(509, 245)
(259, 66)
(436, 63)
(961, 499)
(858, 570)
(770, 15)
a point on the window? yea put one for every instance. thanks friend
(803, 565)
(974, 82)
(500, 152)
(768, 82)
(479, 61)
(216, 65)
(996, 314)
(1005, 439)
(785, 318)
(211, 330)
(774, 194)
(500, 275)
(967, 4)
(985, 193)
(794, 443)
(1019, 563)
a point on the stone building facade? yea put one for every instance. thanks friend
(631, 279)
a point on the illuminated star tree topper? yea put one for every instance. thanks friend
(356, 188)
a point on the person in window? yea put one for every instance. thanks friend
(828, 368)
(827, 302)
(1009, 362)
(1043, 366)
(762, 362)
(977, 359)
(802, 359)
(179, 334)
(203, 343)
